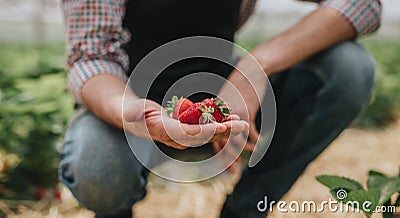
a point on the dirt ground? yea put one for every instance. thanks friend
(351, 155)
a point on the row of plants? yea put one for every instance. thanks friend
(34, 109)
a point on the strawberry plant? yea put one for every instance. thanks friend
(381, 190)
(34, 109)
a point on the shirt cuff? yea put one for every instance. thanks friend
(82, 70)
(363, 15)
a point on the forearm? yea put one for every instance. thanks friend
(96, 63)
(317, 31)
(104, 95)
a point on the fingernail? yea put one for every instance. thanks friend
(221, 128)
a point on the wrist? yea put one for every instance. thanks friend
(115, 109)
(263, 59)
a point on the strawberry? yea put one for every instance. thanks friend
(40, 193)
(221, 112)
(207, 111)
(57, 194)
(176, 106)
(197, 113)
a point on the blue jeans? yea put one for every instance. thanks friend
(316, 100)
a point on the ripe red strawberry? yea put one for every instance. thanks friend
(197, 113)
(207, 111)
(176, 106)
(220, 112)
(40, 193)
(57, 194)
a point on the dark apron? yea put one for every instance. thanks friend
(153, 23)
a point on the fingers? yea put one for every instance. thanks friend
(241, 142)
(253, 133)
(196, 134)
(228, 153)
(190, 134)
(176, 145)
(218, 145)
(203, 129)
(232, 126)
(249, 147)
(233, 117)
(237, 126)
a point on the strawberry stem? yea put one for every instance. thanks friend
(207, 113)
(222, 107)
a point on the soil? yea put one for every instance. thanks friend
(350, 155)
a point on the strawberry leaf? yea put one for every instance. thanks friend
(388, 189)
(207, 117)
(171, 104)
(375, 179)
(219, 102)
(225, 111)
(387, 185)
(336, 182)
(367, 200)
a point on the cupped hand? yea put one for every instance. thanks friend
(147, 119)
(231, 148)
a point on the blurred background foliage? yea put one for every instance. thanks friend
(384, 106)
(385, 103)
(35, 107)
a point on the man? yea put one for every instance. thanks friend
(321, 80)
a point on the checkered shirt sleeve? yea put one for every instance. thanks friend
(94, 34)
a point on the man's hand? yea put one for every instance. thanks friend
(243, 92)
(233, 147)
(147, 119)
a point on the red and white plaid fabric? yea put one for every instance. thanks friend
(95, 34)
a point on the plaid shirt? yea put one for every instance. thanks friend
(95, 34)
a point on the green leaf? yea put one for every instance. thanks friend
(376, 179)
(337, 182)
(368, 200)
(171, 104)
(388, 189)
(387, 185)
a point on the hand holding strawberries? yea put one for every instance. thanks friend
(147, 119)
(206, 111)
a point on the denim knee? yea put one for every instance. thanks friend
(347, 70)
(99, 168)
